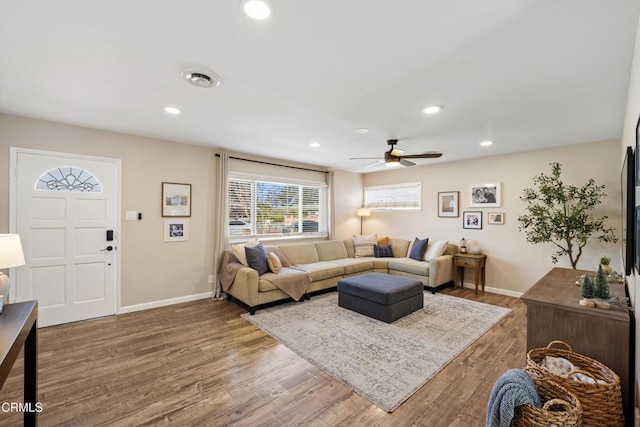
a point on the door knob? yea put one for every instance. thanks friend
(108, 249)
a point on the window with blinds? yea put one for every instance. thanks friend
(406, 196)
(263, 208)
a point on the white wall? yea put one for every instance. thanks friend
(629, 139)
(513, 265)
(348, 198)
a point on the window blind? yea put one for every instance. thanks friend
(405, 196)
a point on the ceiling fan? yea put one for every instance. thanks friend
(396, 157)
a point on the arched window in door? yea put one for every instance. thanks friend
(66, 178)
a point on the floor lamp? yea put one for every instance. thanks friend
(362, 212)
(10, 256)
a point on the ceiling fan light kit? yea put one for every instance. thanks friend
(396, 157)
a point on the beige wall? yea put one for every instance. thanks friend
(151, 269)
(513, 265)
(347, 200)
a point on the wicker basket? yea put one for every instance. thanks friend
(601, 403)
(561, 408)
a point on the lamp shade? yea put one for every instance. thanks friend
(10, 251)
(364, 212)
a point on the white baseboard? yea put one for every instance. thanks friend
(498, 291)
(163, 303)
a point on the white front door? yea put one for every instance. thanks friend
(65, 209)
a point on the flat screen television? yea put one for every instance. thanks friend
(628, 187)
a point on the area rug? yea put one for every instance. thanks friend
(384, 363)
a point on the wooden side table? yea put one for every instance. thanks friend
(18, 329)
(477, 262)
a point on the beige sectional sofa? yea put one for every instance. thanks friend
(326, 262)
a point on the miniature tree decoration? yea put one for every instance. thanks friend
(563, 215)
(587, 290)
(602, 289)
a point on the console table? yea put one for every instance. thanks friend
(18, 328)
(554, 313)
(477, 262)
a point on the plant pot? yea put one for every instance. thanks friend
(602, 304)
(587, 302)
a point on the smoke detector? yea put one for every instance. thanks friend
(200, 77)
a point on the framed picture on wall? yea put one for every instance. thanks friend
(176, 199)
(448, 202)
(485, 195)
(495, 218)
(472, 220)
(176, 230)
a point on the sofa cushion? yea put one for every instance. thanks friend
(383, 241)
(435, 249)
(383, 251)
(400, 247)
(257, 258)
(283, 258)
(354, 265)
(364, 244)
(238, 251)
(330, 250)
(409, 265)
(321, 270)
(300, 253)
(418, 249)
(274, 262)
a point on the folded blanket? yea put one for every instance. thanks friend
(292, 282)
(563, 367)
(514, 388)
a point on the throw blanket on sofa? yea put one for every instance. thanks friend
(514, 388)
(292, 282)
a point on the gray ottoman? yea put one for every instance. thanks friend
(381, 296)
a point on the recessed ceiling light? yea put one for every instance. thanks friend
(486, 143)
(256, 9)
(174, 111)
(200, 77)
(433, 109)
(314, 144)
(361, 131)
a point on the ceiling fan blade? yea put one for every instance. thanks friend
(366, 158)
(423, 156)
(404, 162)
(374, 163)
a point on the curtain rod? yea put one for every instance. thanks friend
(274, 164)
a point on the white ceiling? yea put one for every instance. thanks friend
(526, 73)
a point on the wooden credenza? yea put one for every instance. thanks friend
(554, 313)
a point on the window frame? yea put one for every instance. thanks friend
(410, 188)
(254, 180)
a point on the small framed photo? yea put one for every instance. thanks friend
(448, 204)
(176, 230)
(472, 220)
(495, 217)
(485, 195)
(176, 199)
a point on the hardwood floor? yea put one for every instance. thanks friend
(201, 364)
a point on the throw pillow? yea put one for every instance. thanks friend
(383, 241)
(364, 245)
(239, 252)
(274, 263)
(383, 251)
(257, 258)
(281, 256)
(435, 249)
(418, 249)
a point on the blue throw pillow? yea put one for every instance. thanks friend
(383, 251)
(418, 249)
(257, 258)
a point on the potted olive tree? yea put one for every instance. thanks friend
(563, 215)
